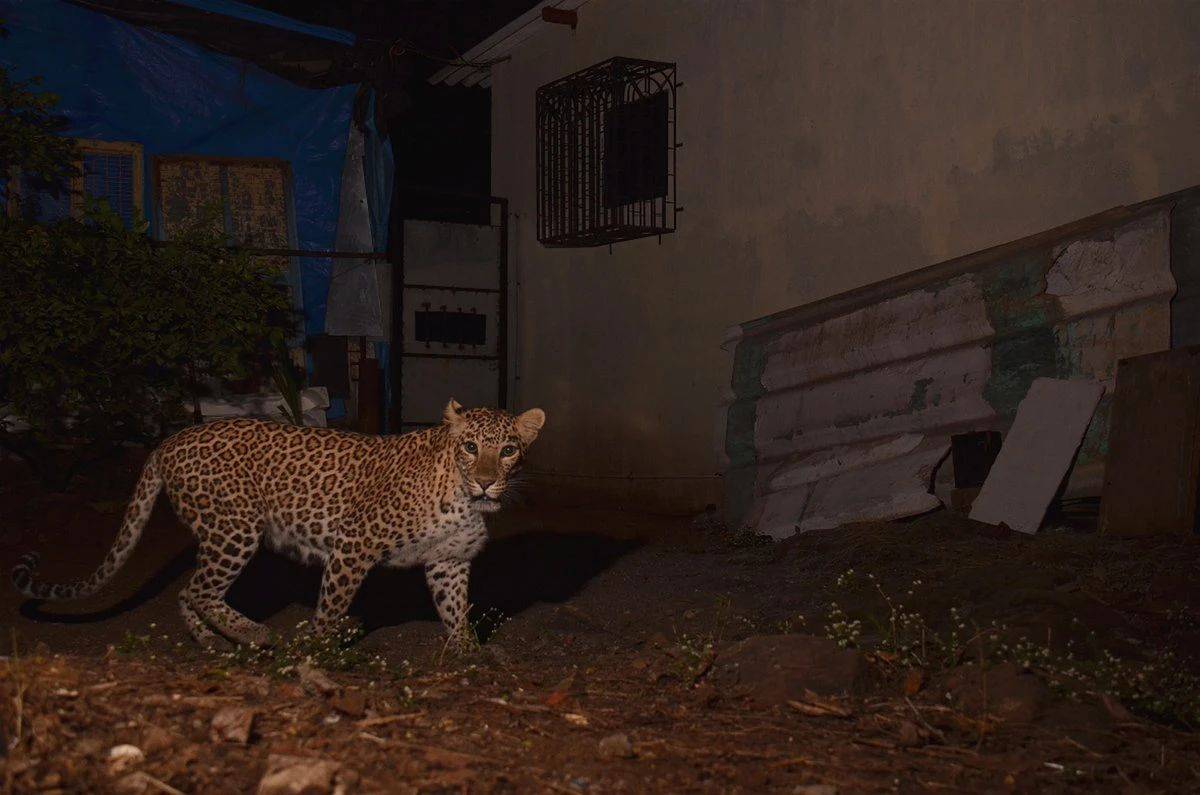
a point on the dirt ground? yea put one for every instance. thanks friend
(622, 653)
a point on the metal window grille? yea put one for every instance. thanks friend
(109, 171)
(606, 142)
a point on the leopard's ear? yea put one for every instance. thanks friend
(451, 414)
(529, 423)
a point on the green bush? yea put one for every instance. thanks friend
(31, 132)
(105, 334)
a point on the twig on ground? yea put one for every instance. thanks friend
(941, 738)
(367, 723)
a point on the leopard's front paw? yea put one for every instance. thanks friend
(462, 643)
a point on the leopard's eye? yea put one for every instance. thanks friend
(508, 451)
(471, 447)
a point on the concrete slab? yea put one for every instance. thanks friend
(1045, 435)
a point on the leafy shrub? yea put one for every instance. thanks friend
(104, 333)
(31, 132)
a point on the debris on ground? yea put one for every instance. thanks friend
(616, 746)
(936, 653)
(232, 725)
(774, 669)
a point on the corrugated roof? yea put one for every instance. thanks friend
(498, 45)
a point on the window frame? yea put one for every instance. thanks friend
(572, 117)
(75, 190)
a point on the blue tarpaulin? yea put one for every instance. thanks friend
(124, 83)
(120, 82)
(228, 8)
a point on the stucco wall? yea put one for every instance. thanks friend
(827, 145)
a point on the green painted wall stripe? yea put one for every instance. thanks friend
(749, 360)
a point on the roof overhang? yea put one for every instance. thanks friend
(308, 55)
(500, 44)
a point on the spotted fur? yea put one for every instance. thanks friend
(346, 500)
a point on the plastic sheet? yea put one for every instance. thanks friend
(250, 13)
(122, 83)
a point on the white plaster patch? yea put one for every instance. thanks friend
(1090, 275)
(877, 482)
(891, 489)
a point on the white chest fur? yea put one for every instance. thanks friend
(445, 539)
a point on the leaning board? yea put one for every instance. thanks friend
(1150, 479)
(1035, 457)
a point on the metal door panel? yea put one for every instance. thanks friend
(451, 317)
(430, 383)
(463, 255)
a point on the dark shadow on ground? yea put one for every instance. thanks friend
(179, 565)
(511, 575)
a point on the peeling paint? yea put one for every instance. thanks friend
(846, 415)
(748, 364)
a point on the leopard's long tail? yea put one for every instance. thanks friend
(24, 575)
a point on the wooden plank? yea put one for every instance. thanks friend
(1151, 480)
(1045, 436)
(370, 397)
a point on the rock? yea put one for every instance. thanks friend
(287, 691)
(1002, 690)
(909, 736)
(1116, 709)
(615, 746)
(123, 758)
(315, 681)
(232, 725)
(572, 686)
(775, 669)
(350, 702)
(294, 775)
(815, 789)
(255, 686)
(155, 739)
(914, 681)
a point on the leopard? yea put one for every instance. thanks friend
(345, 501)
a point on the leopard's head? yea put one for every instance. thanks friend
(489, 445)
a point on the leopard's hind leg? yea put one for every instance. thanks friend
(224, 551)
(199, 630)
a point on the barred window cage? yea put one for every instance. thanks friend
(606, 141)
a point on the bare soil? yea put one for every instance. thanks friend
(612, 669)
